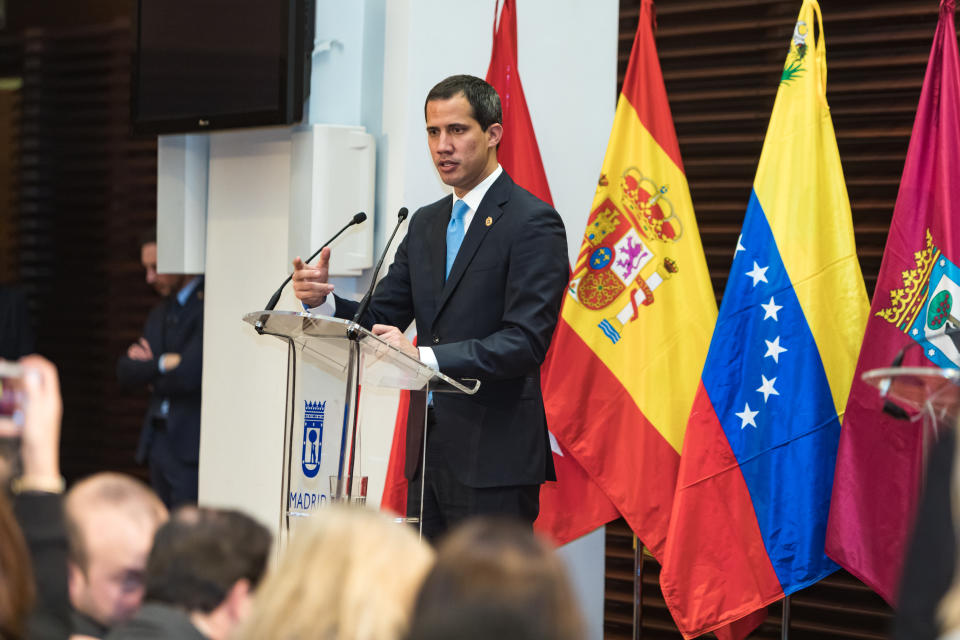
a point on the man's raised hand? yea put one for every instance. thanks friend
(310, 283)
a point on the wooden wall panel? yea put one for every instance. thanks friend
(87, 192)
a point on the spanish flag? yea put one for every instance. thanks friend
(750, 512)
(638, 313)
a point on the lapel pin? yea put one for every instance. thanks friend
(489, 221)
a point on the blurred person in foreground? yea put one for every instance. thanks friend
(928, 567)
(203, 568)
(930, 589)
(111, 520)
(494, 579)
(168, 360)
(350, 574)
(33, 547)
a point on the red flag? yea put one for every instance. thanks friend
(395, 484)
(573, 505)
(879, 461)
(518, 154)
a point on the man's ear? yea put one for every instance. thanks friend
(76, 582)
(494, 133)
(238, 600)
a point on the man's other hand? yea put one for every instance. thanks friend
(140, 350)
(169, 362)
(395, 338)
(310, 283)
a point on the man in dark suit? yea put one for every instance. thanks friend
(168, 359)
(483, 274)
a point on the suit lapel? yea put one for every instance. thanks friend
(489, 210)
(437, 237)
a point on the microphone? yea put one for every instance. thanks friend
(365, 302)
(272, 303)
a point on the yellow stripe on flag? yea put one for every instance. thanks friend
(641, 273)
(799, 179)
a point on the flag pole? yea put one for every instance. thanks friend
(637, 588)
(785, 620)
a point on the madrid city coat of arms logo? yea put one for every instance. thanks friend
(312, 437)
(620, 250)
(927, 307)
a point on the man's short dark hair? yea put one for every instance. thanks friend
(482, 97)
(200, 553)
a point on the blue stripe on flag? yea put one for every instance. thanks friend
(609, 331)
(766, 381)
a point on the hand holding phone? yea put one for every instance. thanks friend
(42, 411)
(33, 422)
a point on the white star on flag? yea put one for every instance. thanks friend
(774, 349)
(747, 416)
(771, 308)
(758, 273)
(767, 388)
(740, 246)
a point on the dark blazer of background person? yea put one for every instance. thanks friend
(492, 319)
(171, 329)
(16, 334)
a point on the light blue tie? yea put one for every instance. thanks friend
(455, 232)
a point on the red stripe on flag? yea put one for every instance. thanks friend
(394, 497)
(711, 486)
(518, 153)
(643, 86)
(594, 415)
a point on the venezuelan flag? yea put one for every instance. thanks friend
(753, 491)
(636, 320)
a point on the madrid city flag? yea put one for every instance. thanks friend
(750, 512)
(917, 299)
(637, 315)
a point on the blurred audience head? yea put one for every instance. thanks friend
(164, 283)
(494, 579)
(111, 519)
(207, 562)
(351, 574)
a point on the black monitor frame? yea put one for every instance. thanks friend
(294, 82)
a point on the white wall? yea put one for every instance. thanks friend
(244, 374)
(567, 61)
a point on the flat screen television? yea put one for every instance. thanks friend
(201, 65)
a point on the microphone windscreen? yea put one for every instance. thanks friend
(403, 214)
(360, 217)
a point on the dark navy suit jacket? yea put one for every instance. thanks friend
(181, 385)
(492, 319)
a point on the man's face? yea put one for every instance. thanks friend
(463, 153)
(164, 283)
(111, 587)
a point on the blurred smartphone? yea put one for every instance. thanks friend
(11, 391)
